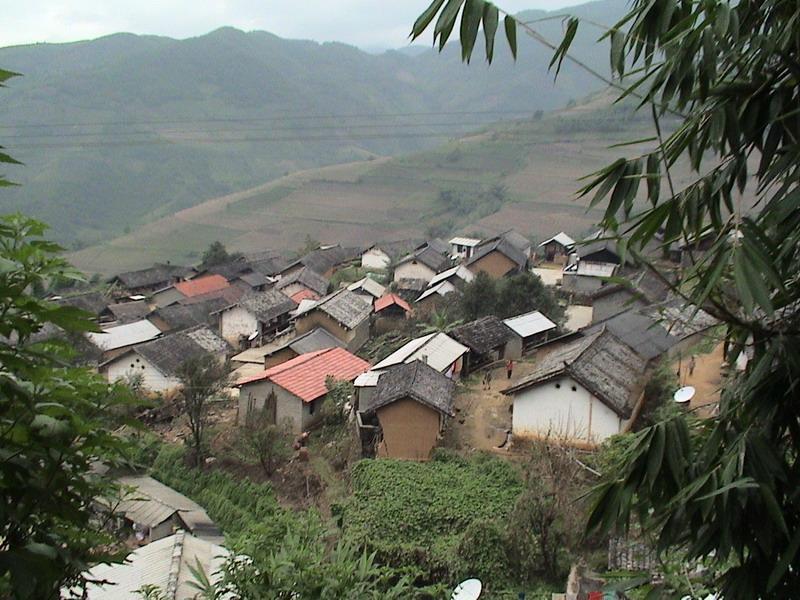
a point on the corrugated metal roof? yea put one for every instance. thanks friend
(588, 268)
(305, 375)
(436, 349)
(561, 238)
(164, 563)
(202, 285)
(530, 324)
(443, 288)
(459, 271)
(368, 379)
(124, 335)
(465, 241)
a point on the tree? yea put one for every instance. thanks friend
(268, 442)
(203, 378)
(479, 298)
(525, 292)
(52, 430)
(721, 490)
(217, 254)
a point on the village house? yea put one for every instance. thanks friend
(434, 296)
(312, 341)
(664, 329)
(532, 328)
(498, 258)
(185, 290)
(422, 265)
(367, 287)
(389, 311)
(178, 317)
(343, 314)
(147, 281)
(166, 564)
(157, 363)
(591, 264)
(94, 303)
(556, 249)
(255, 318)
(325, 260)
(293, 391)
(128, 312)
(438, 350)
(303, 283)
(114, 340)
(463, 248)
(152, 511)
(640, 289)
(267, 262)
(489, 340)
(520, 242)
(410, 408)
(580, 392)
(380, 257)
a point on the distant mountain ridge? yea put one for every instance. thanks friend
(121, 130)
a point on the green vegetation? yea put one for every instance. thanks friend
(508, 297)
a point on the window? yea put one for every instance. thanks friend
(574, 388)
(558, 386)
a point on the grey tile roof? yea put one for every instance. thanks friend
(502, 245)
(316, 339)
(183, 316)
(158, 275)
(516, 239)
(398, 249)
(414, 380)
(170, 352)
(600, 362)
(307, 277)
(127, 312)
(345, 307)
(91, 302)
(267, 262)
(431, 257)
(267, 305)
(483, 335)
(327, 257)
(253, 278)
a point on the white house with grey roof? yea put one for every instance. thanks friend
(255, 317)
(156, 364)
(580, 392)
(343, 314)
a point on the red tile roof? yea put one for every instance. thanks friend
(305, 294)
(389, 299)
(202, 285)
(305, 375)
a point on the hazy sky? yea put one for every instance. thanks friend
(364, 23)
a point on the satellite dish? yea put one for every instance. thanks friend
(684, 394)
(467, 590)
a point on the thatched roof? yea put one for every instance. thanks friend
(417, 381)
(601, 363)
(483, 335)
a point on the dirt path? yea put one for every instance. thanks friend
(706, 379)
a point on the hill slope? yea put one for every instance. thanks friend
(120, 131)
(522, 175)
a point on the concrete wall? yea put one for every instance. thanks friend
(410, 430)
(375, 258)
(513, 348)
(555, 409)
(413, 270)
(495, 265)
(353, 339)
(236, 322)
(281, 356)
(287, 406)
(131, 363)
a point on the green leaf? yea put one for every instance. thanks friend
(745, 483)
(6, 75)
(566, 42)
(446, 20)
(48, 426)
(490, 22)
(470, 21)
(618, 52)
(510, 24)
(787, 557)
(425, 19)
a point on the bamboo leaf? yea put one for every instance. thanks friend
(490, 22)
(510, 24)
(618, 52)
(470, 21)
(425, 19)
(566, 42)
(446, 21)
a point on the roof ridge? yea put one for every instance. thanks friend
(171, 590)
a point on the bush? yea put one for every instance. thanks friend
(481, 553)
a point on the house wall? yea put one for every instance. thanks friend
(281, 356)
(513, 348)
(123, 367)
(375, 258)
(413, 270)
(554, 252)
(364, 395)
(494, 264)
(410, 430)
(563, 414)
(289, 407)
(352, 338)
(236, 322)
(163, 529)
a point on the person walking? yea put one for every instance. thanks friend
(487, 379)
(692, 364)
(509, 368)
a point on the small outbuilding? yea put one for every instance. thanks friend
(556, 249)
(532, 328)
(411, 405)
(498, 258)
(488, 340)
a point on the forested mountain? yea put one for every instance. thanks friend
(119, 131)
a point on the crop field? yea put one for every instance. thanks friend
(536, 165)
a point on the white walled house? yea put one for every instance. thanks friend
(581, 392)
(157, 363)
(381, 256)
(256, 316)
(422, 265)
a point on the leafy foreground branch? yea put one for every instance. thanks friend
(722, 491)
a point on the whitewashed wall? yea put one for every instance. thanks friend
(288, 406)
(413, 270)
(563, 413)
(375, 258)
(236, 322)
(131, 363)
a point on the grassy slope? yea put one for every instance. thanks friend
(539, 163)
